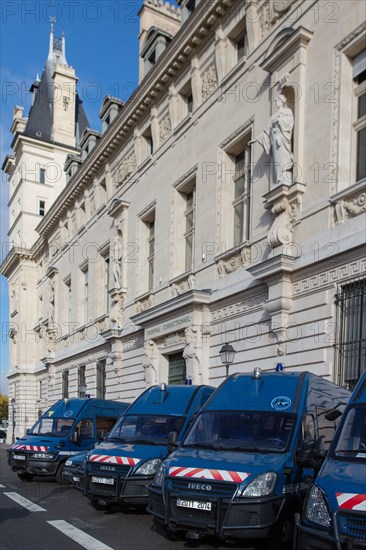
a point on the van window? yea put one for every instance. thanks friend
(104, 425)
(242, 430)
(326, 427)
(352, 439)
(146, 429)
(58, 427)
(84, 431)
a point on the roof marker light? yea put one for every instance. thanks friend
(279, 367)
(163, 386)
(257, 372)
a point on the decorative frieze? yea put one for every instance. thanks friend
(239, 308)
(145, 303)
(164, 128)
(330, 277)
(209, 81)
(270, 12)
(182, 285)
(230, 262)
(124, 169)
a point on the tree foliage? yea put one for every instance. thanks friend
(4, 404)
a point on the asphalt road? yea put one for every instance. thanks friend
(44, 515)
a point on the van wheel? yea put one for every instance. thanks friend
(26, 477)
(60, 480)
(284, 535)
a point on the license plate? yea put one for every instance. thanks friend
(19, 457)
(194, 504)
(105, 480)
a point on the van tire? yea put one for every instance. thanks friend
(26, 477)
(283, 537)
(60, 480)
(98, 506)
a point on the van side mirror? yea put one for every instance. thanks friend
(75, 437)
(28, 431)
(333, 414)
(172, 441)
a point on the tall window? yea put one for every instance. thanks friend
(241, 201)
(101, 380)
(177, 369)
(186, 100)
(42, 208)
(351, 333)
(42, 175)
(65, 384)
(190, 226)
(81, 381)
(241, 45)
(359, 126)
(151, 253)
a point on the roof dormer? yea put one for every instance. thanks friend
(110, 108)
(71, 166)
(159, 22)
(88, 141)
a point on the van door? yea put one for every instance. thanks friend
(83, 434)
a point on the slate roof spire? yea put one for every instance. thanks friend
(41, 120)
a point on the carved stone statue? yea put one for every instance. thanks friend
(51, 303)
(276, 141)
(117, 262)
(149, 362)
(116, 313)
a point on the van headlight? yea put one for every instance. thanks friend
(148, 468)
(68, 462)
(159, 476)
(261, 486)
(316, 509)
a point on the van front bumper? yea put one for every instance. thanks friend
(348, 533)
(129, 489)
(22, 462)
(239, 518)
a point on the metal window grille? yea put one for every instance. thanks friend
(101, 380)
(177, 369)
(351, 332)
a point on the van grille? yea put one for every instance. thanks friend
(352, 526)
(218, 490)
(97, 469)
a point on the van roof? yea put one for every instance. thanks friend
(173, 400)
(71, 407)
(275, 391)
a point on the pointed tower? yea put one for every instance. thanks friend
(41, 144)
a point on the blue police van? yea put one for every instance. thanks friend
(121, 467)
(67, 428)
(243, 468)
(334, 514)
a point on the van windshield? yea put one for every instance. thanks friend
(146, 429)
(351, 442)
(242, 430)
(57, 427)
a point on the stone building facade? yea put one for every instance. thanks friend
(182, 227)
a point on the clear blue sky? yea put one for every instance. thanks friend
(102, 46)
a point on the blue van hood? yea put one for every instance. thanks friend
(223, 465)
(344, 484)
(127, 453)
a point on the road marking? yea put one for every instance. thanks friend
(2, 486)
(79, 536)
(25, 502)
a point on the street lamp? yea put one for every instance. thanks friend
(227, 354)
(82, 389)
(13, 419)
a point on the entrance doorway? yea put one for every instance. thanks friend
(177, 369)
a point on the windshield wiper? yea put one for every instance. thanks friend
(116, 438)
(203, 445)
(146, 441)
